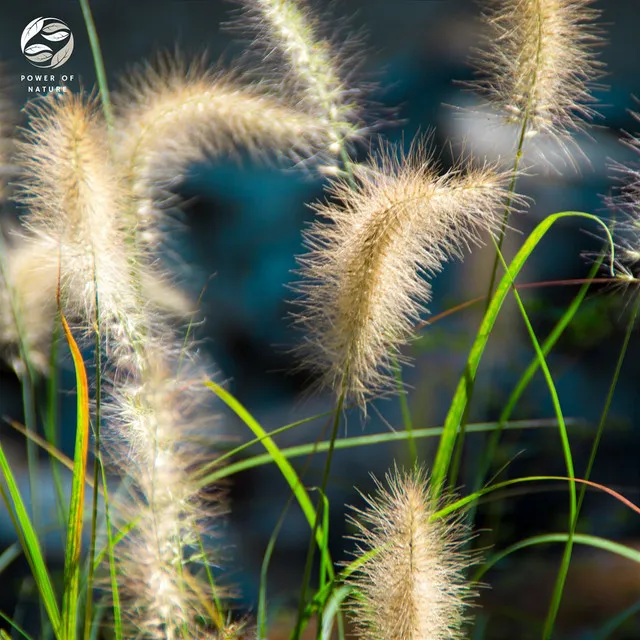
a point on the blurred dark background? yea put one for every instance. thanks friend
(243, 227)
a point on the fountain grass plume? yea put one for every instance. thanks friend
(76, 204)
(172, 113)
(363, 280)
(311, 70)
(162, 424)
(412, 584)
(539, 64)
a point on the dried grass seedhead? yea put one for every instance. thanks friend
(413, 587)
(27, 301)
(539, 63)
(625, 225)
(363, 280)
(315, 72)
(172, 113)
(160, 424)
(75, 204)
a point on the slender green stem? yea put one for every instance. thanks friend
(453, 472)
(312, 542)
(489, 452)
(406, 412)
(98, 62)
(96, 475)
(607, 404)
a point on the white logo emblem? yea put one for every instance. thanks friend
(47, 43)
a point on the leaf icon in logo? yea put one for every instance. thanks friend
(37, 48)
(55, 37)
(54, 26)
(31, 30)
(40, 57)
(63, 55)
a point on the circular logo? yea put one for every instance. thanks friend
(47, 43)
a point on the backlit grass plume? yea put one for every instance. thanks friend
(413, 586)
(172, 114)
(539, 63)
(27, 301)
(363, 280)
(75, 206)
(314, 72)
(626, 230)
(160, 425)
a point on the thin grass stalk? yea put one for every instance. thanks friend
(460, 400)
(98, 63)
(566, 557)
(607, 404)
(490, 451)
(306, 579)
(96, 472)
(457, 456)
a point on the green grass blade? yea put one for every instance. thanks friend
(360, 441)
(14, 626)
(530, 371)
(406, 411)
(261, 618)
(566, 448)
(459, 405)
(76, 506)
(287, 471)
(578, 538)
(29, 541)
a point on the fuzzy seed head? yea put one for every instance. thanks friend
(172, 114)
(539, 63)
(27, 301)
(76, 203)
(414, 587)
(363, 284)
(159, 424)
(625, 228)
(313, 69)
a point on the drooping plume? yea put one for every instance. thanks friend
(413, 587)
(173, 114)
(161, 424)
(75, 207)
(539, 63)
(364, 286)
(314, 72)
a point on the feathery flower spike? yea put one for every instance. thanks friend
(173, 114)
(159, 418)
(413, 587)
(27, 301)
(363, 280)
(75, 207)
(539, 64)
(314, 70)
(626, 232)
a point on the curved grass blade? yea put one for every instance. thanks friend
(76, 507)
(459, 404)
(30, 543)
(283, 464)
(578, 538)
(360, 441)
